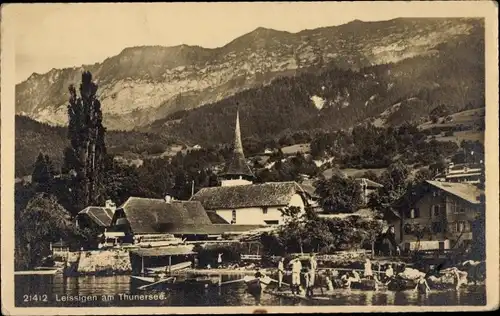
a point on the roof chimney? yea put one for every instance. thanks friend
(110, 205)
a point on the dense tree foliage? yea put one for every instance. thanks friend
(396, 183)
(41, 222)
(43, 173)
(87, 151)
(33, 137)
(306, 232)
(339, 194)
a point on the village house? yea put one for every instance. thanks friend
(466, 173)
(444, 215)
(256, 204)
(367, 188)
(239, 201)
(146, 221)
(96, 217)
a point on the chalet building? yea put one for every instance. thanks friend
(462, 173)
(444, 215)
(255, 204)
(96, 217)
(367, 187)
(239, 201)
(167, 221)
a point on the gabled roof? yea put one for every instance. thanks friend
(309, 188)
(252, 195)
(214, 229)
(100, 215)
(155, 215)
(467, 192)
(215, 218)
(368, 183)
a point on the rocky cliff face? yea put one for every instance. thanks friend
(144, 84)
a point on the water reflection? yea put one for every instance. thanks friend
(231, 295)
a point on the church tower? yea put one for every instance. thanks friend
(237, 172)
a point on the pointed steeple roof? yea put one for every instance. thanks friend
(237, 166)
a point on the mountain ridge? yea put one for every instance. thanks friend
(146, 83)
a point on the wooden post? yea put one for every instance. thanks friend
(170, 264)
(142, 267)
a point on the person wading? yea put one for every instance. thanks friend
(296, 269)
(422, 287)
(308, 278)
(313, 265)
(368, 274)
(219, 261)
(281, 272)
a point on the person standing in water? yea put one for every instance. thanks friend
(281, 271)
(308, 285)
(457, 279)
(219, 261)
(313, 265)
(296, 269)
(389, 273)
(368, 274)
(422, 287)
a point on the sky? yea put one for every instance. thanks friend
(66, 35)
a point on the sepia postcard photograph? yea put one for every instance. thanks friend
(259, 157)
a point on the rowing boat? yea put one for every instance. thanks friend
(174, 267)
(203, 281)
(256, 285)
(38, 272)
(145, 282)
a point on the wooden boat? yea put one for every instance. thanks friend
(288, 294)
(256, 285)
(400, 285)
(202, 281)
(365, 284)
(144, 282)
(38, 272)
(174, 267)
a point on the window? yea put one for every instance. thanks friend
(264, 210)
(415, 213)
(272, 222)
(437, 227)
(435, 211)
(233, 220)
(462, 226)
(460, 210)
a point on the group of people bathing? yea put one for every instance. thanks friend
(304, 278)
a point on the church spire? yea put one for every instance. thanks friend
(238, 146)
(237, 167)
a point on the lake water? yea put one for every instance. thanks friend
(31, 291)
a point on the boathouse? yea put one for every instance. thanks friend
(167, 221)
(143, 258)
(241, 202)
(440, 216)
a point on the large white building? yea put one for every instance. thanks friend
(239, 201)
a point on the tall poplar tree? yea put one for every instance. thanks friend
(84, 158)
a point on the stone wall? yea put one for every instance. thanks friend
(104, 262)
